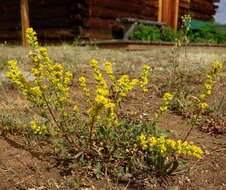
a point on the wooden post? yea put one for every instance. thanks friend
(175, 13)
(160, 11)
(168, 12)
(25, 21)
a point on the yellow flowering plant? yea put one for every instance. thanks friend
(163, 152)
(100, 134)
(108, 95)
(193, 107)
(209, 84)
(49, 92)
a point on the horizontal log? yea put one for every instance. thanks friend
(108, 13)
(117, 4)
(200, 16)
(184, 4)
(42, 33)
(95, 23)
(46, 12)
(96, 34)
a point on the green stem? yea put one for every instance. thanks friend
(90, 132)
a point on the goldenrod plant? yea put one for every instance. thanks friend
(201, 106)
(209, 83)
(97, 135)
(163, 152)
(49, 92)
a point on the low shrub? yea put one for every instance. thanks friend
(147, 33)
(169, 35)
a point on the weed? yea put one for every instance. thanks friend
(98, 137)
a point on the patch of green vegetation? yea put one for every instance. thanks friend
(204, 32)
(147, 33)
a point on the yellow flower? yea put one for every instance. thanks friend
(144, 78)
(163, 108)
(108, 67)
(146, 67)
(203, 105)
(82, 83)
(134, 82)
(103, 92)
(76, 108)
(38, 129)
(124, 85)
(208, 86)
(93, 62)
(167, 97)
(142, 138)
(202, 96)
(161, 145)
(32, 38)
(152, 141)
(42, 50)
(217, 65)
(36, 91)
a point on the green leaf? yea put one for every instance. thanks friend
(97, 170)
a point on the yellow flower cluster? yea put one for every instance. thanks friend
(144, 78)
(32, 93)
(36, 91)
(209, 83)
(101, 83)
(38, 129)
(59, 79)
(163, 146)
(32, 38)
(124, 85)
(44, 70)
(165, 105)
(108, 70)
(17, 76)
(102, 104)
(50, 87)
(83, 85)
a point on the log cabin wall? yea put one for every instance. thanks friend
(101, 15)
(63, 20)
(203, 9)
(52, 19)
(10, 24)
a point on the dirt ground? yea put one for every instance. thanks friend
(23, 166)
